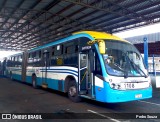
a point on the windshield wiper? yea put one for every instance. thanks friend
(136, 67)
(126, 69)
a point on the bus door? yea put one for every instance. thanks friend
(86, 67)
(45, 68)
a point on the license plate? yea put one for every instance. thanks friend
(138, 96)
(129, 85)
(135, 85)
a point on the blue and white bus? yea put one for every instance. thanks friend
(89, 64)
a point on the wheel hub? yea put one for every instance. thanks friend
(72, 91)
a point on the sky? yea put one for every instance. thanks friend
(124, 34)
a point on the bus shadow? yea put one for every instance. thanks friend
(100, 104)
(118, 107)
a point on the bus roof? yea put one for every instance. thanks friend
(101, 35)
(89, 34)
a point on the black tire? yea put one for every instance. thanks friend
(73, 92)
(34, 82)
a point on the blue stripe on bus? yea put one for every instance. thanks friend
(60, 69)
(61, 72)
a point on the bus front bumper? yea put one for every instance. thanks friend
(114, 96)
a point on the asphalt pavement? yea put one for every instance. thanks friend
(22, 101)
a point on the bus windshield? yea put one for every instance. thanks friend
(123, 59)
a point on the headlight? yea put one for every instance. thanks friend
(119, 86)
(115, 86)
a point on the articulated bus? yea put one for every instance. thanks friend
(89, 64)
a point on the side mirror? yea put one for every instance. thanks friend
(101, 46)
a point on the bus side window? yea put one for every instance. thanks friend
(58, 50)
(37, 58)
(19, 61)
(98, 69)
(30, 59)
(29, 55)
(53, 57)
(39, 54)
(34, 55)
(52, 51)
(56, 55)
(15, 61)
(76, 48)
(71, 57)
(40, 58)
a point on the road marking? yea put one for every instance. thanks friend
(149, 102)
(115, 120)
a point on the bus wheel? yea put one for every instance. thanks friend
(73, 92)
(34, 82)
